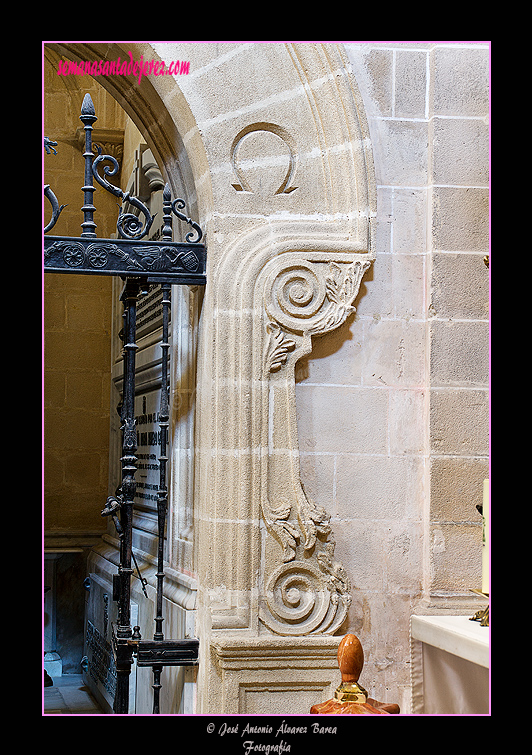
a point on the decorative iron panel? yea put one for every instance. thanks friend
(138, 263)
(173, 262)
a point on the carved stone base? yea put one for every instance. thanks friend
(272, 674)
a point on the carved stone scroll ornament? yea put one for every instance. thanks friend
(306, 295)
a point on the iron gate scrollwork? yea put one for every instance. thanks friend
(139, 263)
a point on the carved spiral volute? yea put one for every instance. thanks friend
(297, 296)
(296, 599)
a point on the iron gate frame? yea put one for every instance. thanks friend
(139, 263)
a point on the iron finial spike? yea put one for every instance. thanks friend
(87, 107)
(88, 116)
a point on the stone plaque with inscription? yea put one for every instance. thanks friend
(148, 447)
(149, 311)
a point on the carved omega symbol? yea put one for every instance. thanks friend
(263, 157)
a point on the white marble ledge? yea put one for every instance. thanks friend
(455, 634)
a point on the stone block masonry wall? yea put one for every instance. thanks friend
(393, 407)
(76, 381)
(458, 314)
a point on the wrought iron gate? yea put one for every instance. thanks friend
(139, 263)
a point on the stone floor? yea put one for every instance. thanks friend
(69, 695)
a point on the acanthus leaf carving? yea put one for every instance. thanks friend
(279, 346)
(314, 522)
(286, 532)
(310, 523)
(341, 288)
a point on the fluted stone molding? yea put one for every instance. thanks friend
(265, 552)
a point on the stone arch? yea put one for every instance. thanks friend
(264, 554)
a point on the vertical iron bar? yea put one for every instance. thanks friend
(88, 116)
(164, 417)
(129, 467)
(162, 494)
(156, 686)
